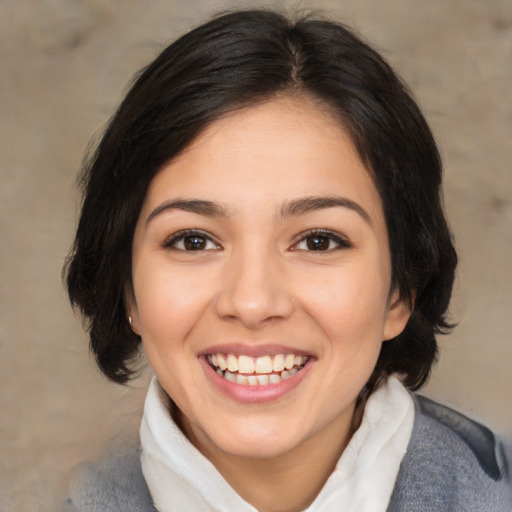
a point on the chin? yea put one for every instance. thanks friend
(254, 441)
(259, 449)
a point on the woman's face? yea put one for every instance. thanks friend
(263, 248)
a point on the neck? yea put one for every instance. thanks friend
(286, 483)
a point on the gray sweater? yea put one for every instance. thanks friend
(452, 464)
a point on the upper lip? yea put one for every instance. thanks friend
(252, 350)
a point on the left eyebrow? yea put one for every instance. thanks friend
(309, 204)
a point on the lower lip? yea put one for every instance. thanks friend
(255, 394)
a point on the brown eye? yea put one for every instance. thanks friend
(321, 241)
(194, 243)
(318, 243)
(191, 240)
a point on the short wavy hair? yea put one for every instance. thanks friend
(237, 60)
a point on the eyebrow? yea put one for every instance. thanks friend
(309, 204)
(201, 207)
(293, 208)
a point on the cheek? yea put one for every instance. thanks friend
(349, 309)
(348, 301)
(169, 303)
(351, 317)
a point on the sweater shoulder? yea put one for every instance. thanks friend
(453, 463)
(449, 424)
(116, 484)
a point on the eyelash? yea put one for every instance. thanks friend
(181, 236)
(341, 243)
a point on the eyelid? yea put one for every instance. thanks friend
(342, 241)
(183, 233)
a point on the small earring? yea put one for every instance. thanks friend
(130, 320)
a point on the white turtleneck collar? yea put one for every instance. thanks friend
(181, 478)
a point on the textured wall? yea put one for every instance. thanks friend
(63, 67)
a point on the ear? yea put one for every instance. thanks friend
(397, 316)
(132, 312)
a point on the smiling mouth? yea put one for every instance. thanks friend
(256, 371)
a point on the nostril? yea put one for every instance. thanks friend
(254, 292)
(252, 311)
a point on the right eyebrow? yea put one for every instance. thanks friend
(207, 208)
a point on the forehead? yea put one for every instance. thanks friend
(268, 154)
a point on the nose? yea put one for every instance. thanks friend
(254, 291)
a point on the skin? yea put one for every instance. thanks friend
(256, 281)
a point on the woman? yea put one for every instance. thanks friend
(263, 213)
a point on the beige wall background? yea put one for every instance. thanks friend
(63, 67)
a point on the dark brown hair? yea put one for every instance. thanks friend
(238, 60)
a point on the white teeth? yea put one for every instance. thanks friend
(259, 371)
(289, 361)
(246, 364)
(232, 363)
(262, 380)
(257, 380)
(242, 379)
(230, 376)
(222, 362)
(263, 364)
(278, 363)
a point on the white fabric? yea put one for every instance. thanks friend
(181, 478)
